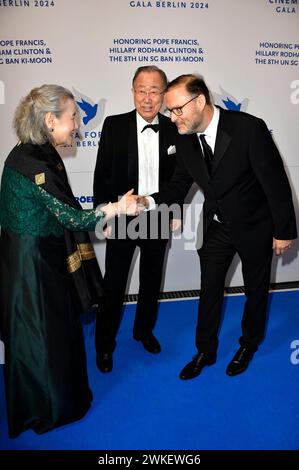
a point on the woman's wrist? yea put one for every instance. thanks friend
(110, 210)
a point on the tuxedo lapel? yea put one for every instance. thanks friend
(222, 141)
(162, 133)
(133, 153)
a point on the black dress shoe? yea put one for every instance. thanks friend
(239, 362)
(194, 368)
(105, 362)
(150, 343)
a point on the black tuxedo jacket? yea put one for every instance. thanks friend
(116, 170)
(248, 184)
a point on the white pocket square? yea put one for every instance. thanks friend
(171, 149)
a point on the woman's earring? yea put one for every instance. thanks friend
(51, 129)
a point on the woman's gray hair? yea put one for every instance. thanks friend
(29, 120)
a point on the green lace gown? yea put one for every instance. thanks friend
(45, 365)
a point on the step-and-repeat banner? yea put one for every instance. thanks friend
(247, 50)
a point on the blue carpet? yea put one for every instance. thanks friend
(143, 405)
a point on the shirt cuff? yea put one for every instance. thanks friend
(151, 203)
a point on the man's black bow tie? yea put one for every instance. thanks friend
(154, 127)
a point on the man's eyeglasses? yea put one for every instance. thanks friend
(178, 110)
(151, 94)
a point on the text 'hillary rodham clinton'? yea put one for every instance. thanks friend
(150, 459)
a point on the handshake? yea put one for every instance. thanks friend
(132, 204)
(129, 204)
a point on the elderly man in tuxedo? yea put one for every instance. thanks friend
(248, 210)
(136, 150)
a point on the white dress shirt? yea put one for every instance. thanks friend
(211, 131)
(210, 134)
(148, 157)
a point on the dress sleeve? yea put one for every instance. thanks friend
(69, 217)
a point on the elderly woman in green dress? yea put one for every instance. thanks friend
(48, 269)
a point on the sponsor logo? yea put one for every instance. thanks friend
(88, 109)
(92, 114)
(85, 199)
(228, 101)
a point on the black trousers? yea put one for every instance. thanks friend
(215, 256)
(119, 254)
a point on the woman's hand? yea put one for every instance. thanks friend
(128, 204)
